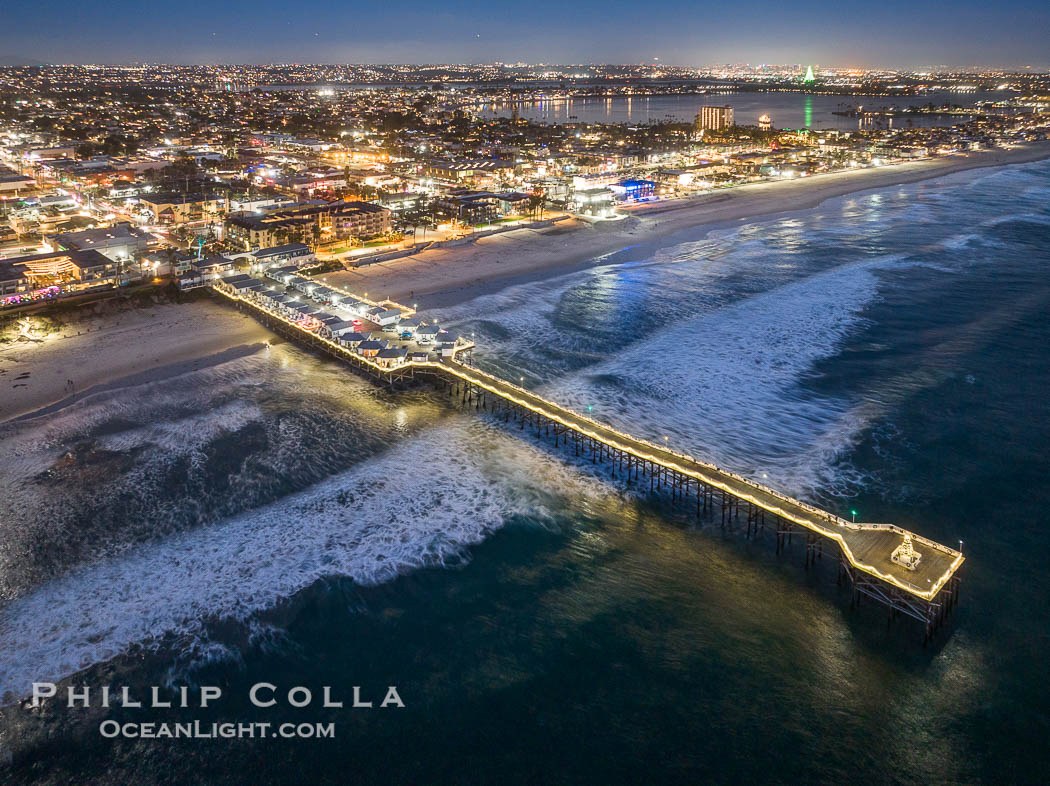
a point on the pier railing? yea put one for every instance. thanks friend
(819, 520)
(779, 504)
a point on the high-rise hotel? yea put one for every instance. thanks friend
(714, 118)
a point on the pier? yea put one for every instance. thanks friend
(905, 572)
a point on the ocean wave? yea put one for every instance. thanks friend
(1029, 217)
(137, 463)
(723, 384)
(424, 503)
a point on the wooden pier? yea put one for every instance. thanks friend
(873, 558)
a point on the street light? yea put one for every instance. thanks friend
(854, 514)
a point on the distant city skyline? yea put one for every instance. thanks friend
(892, 34)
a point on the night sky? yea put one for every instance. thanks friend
(682, 32)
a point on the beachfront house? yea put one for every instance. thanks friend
(407, 327)
(340, 328)
(356, 307)
(302, 284)
(282, 274)
(323, 294)
(384, 317)
(352, 339)
(391, 356)
(371, 348)
(293, 255)
(244, 283)
(427, 334)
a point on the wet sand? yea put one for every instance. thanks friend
(444, 276)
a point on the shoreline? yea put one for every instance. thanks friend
(448, 276)
(114, 348)
(103, 348)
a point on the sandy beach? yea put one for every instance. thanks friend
(126, 346)
(444, 276)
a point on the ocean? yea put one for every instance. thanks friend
(277, 519)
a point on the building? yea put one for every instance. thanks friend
(183, 208)
(403, 201)
(470, 207)
(391, 356)
(247, 204)
(635, 190)
(313, 223)
(441, 169)
(513, 203)
(765, 122)
(297, 254)
(714, 118)
(121, 242)
(49, 153)
(205, 271)
(11, 181)
(594, 202)
(384, 317)
(70, 270)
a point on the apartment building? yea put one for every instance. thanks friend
(312, 223)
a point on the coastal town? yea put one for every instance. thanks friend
(116, 177)
(598, 389)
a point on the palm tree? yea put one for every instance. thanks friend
(536, 203)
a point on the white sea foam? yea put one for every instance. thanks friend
(721, 385)
(726, 383)
(424, 502)
(1034, 218)
(134, 403)
(185, 435)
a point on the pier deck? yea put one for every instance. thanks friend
(867, 546)
(927, 592)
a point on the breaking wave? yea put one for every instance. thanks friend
(424, 503)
